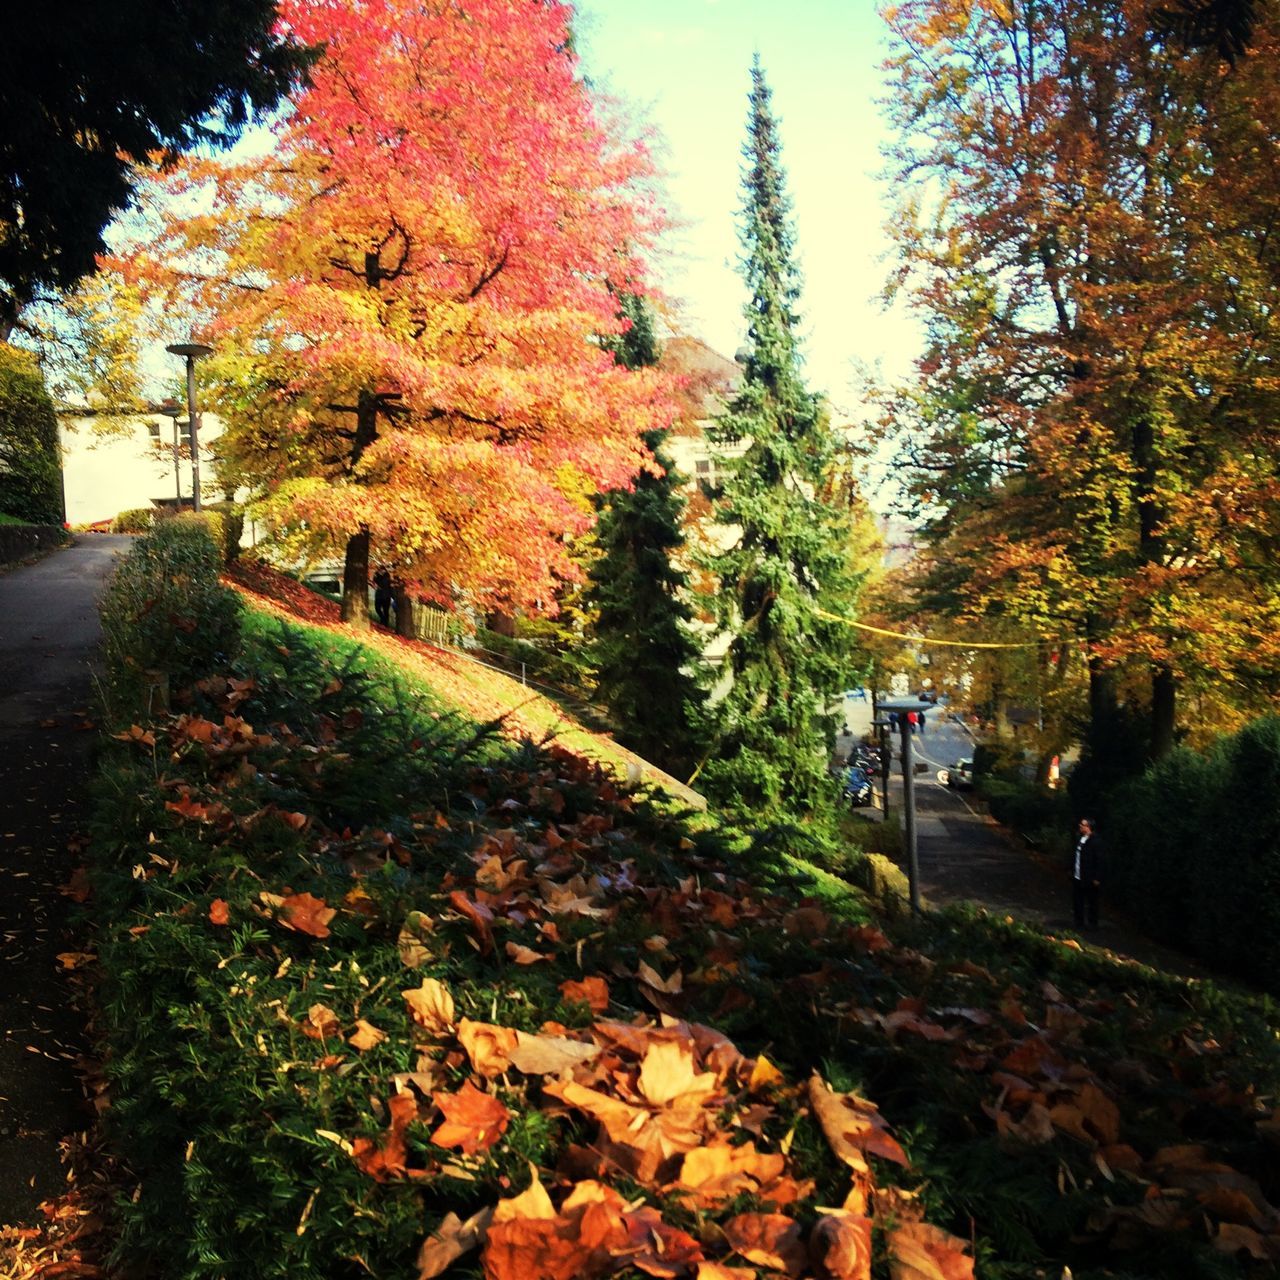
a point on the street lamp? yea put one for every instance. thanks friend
(902, 708)
(191, 352)
(172, 409)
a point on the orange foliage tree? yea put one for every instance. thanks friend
(407, 296)
(1089, 234)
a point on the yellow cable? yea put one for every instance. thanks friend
(927, 640)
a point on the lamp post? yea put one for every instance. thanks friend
(173, 410)
(191, 352)
(902, 708)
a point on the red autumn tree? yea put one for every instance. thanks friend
(408, 296)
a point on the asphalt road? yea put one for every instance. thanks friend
(49, 635)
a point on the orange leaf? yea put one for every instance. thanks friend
(853, 1126)
(302, 912)
(918, 1251)
(840, 1246)
(431, 1006)
(384, 1161)
(489, 1047)
(524, 955)
(593, 991)
(767, 1239)
(219, 911)
(321, 1023)
(366, 1036)
(473, 1121)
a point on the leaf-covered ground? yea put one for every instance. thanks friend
(384, 994)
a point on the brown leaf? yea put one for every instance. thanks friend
(366, 1036)
(918, 1251)
(431, 1007)
(840, 1247)
(450, 1240)
(671, 986)
(489, 1047)
(853, 1126)
(768, 1239)
(480, 916)
(321, 1023)
(413, 950)
(524, 955)
(473, 1122)
(546, 1055)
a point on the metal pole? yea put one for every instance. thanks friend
(909, 806)
(195, 432)
(177, 475)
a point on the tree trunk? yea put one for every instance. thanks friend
(1164, 695)
(355, 572)
(404, 613)
(355, 581)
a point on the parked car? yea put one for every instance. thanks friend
(857, 786)
(960, 776)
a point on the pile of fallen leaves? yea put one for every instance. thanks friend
(492, 1010)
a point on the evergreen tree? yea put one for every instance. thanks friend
(787, 564)
(641, 646)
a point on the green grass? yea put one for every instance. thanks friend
(331, 771)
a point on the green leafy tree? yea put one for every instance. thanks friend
(641, 645)
(30, 466)
(785, 570)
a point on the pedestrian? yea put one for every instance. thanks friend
(1086, 875)
(382, 595)
(913, 720)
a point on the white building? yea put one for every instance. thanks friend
(118, 464)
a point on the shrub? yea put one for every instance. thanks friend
(134, 520)
(166, 611)
(231, 516)
(1037, 812)
(30, 465)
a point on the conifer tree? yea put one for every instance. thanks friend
(641, 646)
(787, 565)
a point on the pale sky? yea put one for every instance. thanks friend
(685, 66)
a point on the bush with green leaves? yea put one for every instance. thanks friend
(30, 460)
(166, 611)
(134, 520)
(1193, 851)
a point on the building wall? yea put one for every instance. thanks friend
(107, 470)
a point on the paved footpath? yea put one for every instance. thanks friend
(49, 636)
(964, 856)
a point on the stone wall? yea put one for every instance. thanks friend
(18, 541)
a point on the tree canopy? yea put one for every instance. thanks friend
(89, 91)
(411, 298)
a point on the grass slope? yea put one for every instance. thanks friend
(367, 964)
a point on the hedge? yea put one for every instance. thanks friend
(30, 463)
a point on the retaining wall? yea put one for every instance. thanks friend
(18, 541)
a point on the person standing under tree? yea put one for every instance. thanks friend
(1086, 875)
(382, 595)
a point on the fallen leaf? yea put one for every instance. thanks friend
(321, 1023)
(385, 1160)
(768, 1239)
(366, 1036)
(301, 912)
(473, 1121)
(450, 1240)
(544, 1055)
(592, 991)
(489, 1047)
(219, 911)
(919, 1251)
(431, 1006)
(524, 955)
(853, 1126)
(840, 1246)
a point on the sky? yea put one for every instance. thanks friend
(684, 65)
